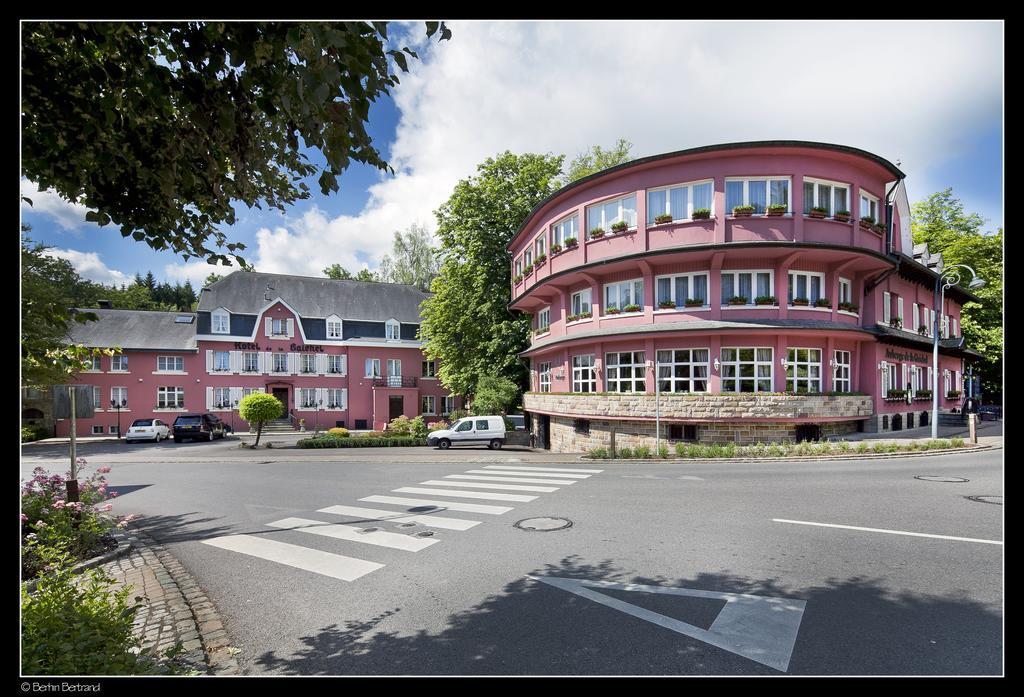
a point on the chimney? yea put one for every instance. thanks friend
(105, 304)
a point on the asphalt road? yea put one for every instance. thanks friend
(473, 603)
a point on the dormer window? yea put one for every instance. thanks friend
(334, 327)
(394, 329)
(220, 321)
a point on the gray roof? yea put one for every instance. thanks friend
(244, 293)
(135, 329)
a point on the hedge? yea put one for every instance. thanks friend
(330, 442)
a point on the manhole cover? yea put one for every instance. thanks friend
(407, 525)
(425, 533)
(543, 524)
(998, 500)
(939, 478)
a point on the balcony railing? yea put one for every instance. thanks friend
(395, 381)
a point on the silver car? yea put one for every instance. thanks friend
(147, 429)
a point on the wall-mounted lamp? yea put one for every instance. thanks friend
(716, 364)
(649, 364)
(832, 363)
(784, 363)
(597, 364)
(560, 375)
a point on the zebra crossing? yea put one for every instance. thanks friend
(490, 483)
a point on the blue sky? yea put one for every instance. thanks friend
(927, 93)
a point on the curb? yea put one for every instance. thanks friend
(817, 458)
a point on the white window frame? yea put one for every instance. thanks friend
(245, 362)
(273, 363)
(578, 295)
(373, 364)
(97, 430)
(336, 358)
(871, 198)
(606, 225)
(528, 256)
(847, 284)
(393, 330)
(584, 374)
(429, 368)
(170, 391)
(680, 302)
(176, 360)
(220, 321)
(956, 326)
(227, 363)
(889, 381)
(112, 430)
(221, 403)
(614, 381)
(336, 398)
(519, 266)
(826, 182)
(97, 398)
(539, 246)
(394, 367)
(793, 363)
(307, 397)
(737, 380)
(119, 363)
(637, 290)
(841, 375)
(282, 323)
(307, 364)
(424, 401)
(808, 275)
(447, 404)
(917, 378)
(564, 229)
(886, 307)
(544, 320)
(682, 383)
(768, 179)
(753, 283)
(115, 395)
(544, 377)
(652, 214)
(96, 367)
(335, 327)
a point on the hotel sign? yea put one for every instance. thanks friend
(306, 349)
(906, 357)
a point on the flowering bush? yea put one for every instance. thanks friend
(438, 426)
(338, 432)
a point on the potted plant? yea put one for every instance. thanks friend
(556, 249)
(849, 307)
(666, 305)
(879, 228)
(527, 270)
(597, 233)
(742, 211)
(738, 300)
(702, 214)
(632, 308)
(620, 226)
(518, 279)
(818, 212)
(801, 302)
(764, 300)
(842, 216)
(896, 323)
(777, 209)
(895, 395)
(571, 318)
(585, 315)
(823, 302)
(694, 302)
(612, 311)
(541, 258)
(922, 395)
(662, 219)
(571, 242)
(866, 222)
(923, 330)
(953, 394)
(302, 424)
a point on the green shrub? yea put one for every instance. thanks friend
(681, 450)
(457, 414)
(338, 432)
(258, 408)
(862, 447)
(714, 450)
(844, 446)
(387, 442)
(33, 432)
(625, 453)
(399, 426)
(598, 453)
(642, 452)
(776, 450)
(729, 450)
(662, 451)
(375, 434)
(957, 442)
(824, 448)
(879, 447)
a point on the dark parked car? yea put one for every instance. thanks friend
(198, 426)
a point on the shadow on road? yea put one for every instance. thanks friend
(851, 626)
(185, 527)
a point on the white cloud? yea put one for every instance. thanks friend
(69, 216)
(89, 266)
(913, 91)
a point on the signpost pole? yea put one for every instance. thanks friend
(72, 482)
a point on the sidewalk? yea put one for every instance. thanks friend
(990, 433)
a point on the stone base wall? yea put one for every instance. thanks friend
(883, 423)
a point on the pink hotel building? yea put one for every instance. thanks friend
(734, 293)
(336, 353)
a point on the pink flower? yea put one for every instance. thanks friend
(24, 517)
(40, 524)
(59, 504)
(108, 507)
(102, 470)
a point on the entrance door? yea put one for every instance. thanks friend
(281, 393)
(543, 431)
(396, 407)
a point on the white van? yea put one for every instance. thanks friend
(472, 429)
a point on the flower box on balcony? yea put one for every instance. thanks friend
(849, 307)
(541, 258)
(896, 323)
(923, 330)
(518, 279)
(620, 226)
(818, 212)
(571, 242)
(953, 394)
(694, 302)
(801, 302)
(632, 308)
(528, 270)
(765, 300)
(702, 214)
(612, 311)
(878, 227)
(597, 233)
(662, 219)
(895, 395)
(866, 223)
(738, 300)
(582, 315)
(776, 209)
(922, 395)
(666, 305)
(842, 216)
(823, 302)
(742, 211)
(556, 249)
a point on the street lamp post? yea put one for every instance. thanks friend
(948, 277)
(316, 423)
(118, 405)
(234, 405)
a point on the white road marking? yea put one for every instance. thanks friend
(757, 627)
(890, 532)
(517, 473)
(444, 505)
(352, 533)
(399, 517)
(464, 494)
(541, 469)
(324, 563)
(525, 480)
(484, 485)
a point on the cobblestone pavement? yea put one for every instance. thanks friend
(174, 608)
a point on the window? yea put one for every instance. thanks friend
(678, 201)
(279, 327)
(566, 229)
(336, 398)
(899, 309)
(447, 404)
(307, 398)
(803, 370)
(372, 368)
(221, 361)
(250, 362)
(683, 370)
(394, 366)
(917, 382)
(280, 363)
(112, 430)
(680, 288)
(832, 196)
(956, 326)
(945, 326)
(97, 430)
(945, 382)
(606, 214)
(220, 322)
(394, 329)
(581, 426)
(868, 206)
(246, 391)
(544, 320)
(619, 295)
(429, 369)
(519, 266)
(335, 364)
(119, 364)
(747, 369)
(748, 284)
(308, 363)
(170, 397)
(759, 193)
(889, 380)
(118, 395)
(333, 328)
(221, 397)
(544, 371)
(166, 364)
(583, 377)
(886, 307)
(581, 302)
(846, 291)
(806, 284)
(841, 371)
(97, 397)
(464, 425)
(95, 362)
(427, 405)
(625, 372)
(538, 246)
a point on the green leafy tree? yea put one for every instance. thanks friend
(466, 322)
(413, 259)
(211, 279)
(597, 159)
(495, 395)
(259, 408)
(340, 273)
(941, 222)
(160, 127)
